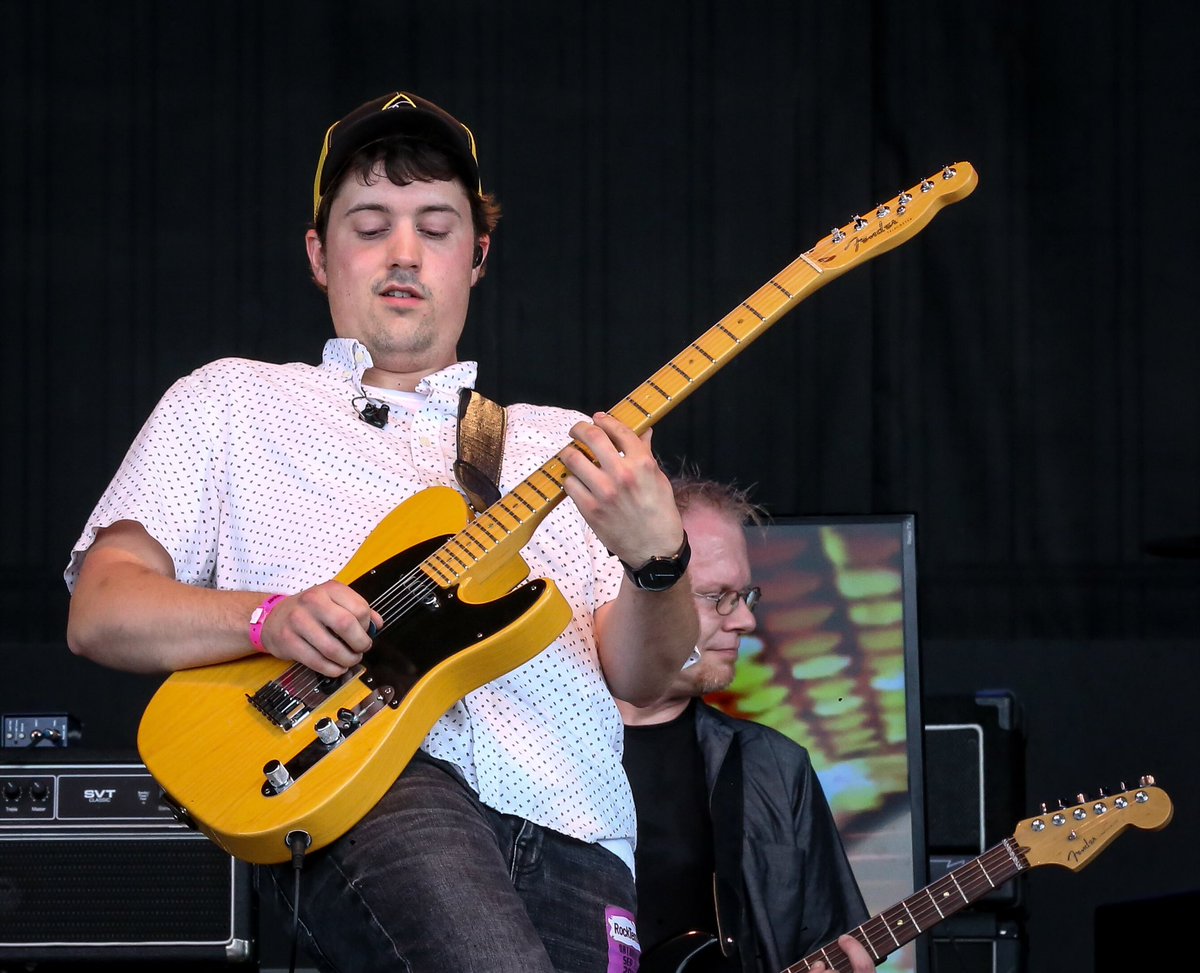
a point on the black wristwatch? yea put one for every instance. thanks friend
(661, 573)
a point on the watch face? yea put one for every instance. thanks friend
(659, 574)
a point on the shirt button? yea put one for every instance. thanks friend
(358, 355)
(425, 441)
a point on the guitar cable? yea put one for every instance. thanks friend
(298, 842)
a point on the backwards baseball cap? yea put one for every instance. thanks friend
(399, 113)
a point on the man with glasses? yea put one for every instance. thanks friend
(734, 834)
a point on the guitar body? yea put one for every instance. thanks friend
(209, 731)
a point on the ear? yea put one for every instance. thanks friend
(478, 268)
(316, 257)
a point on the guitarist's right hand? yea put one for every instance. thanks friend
(129, 612)
(325, 627)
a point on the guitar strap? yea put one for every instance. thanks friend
(726, 811)
(481, 425)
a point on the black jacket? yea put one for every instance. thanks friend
(796, 891)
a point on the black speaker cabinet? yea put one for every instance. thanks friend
(93, 867)
(974, 779)
(977, 944)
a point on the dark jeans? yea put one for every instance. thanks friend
(432, 881)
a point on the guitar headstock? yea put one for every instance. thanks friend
(890, 224)
(1073, 836)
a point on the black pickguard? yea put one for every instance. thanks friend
(436, 625)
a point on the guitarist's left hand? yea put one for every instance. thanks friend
(625, 497)
(642, 637)
(860, 961)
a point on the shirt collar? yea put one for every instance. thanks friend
(348, 358)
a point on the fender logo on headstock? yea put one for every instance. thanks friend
(858, 240)
(1076, 854)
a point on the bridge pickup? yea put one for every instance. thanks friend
(286, 701)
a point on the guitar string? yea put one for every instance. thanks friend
(391, 606)
(970, 882)
(399, 598)
(392, 600)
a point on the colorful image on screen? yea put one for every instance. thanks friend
(833, 666)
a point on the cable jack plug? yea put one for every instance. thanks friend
(299, 842)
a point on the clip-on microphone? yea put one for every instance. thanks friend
(373, 413)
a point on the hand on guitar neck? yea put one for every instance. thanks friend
(860, 961)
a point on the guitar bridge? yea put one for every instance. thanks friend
(286, 701)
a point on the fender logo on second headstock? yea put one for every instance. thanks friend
(1076, 854)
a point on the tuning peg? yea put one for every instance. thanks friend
(1146, 781)
(1045, 810)
(1101, 792)
(1081, 798)
(1062, 804)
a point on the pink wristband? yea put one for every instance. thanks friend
(258, 616)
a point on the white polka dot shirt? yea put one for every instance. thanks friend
(258, 476)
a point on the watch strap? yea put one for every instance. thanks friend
(661, 573)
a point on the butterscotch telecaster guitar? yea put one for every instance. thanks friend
(251, 750)
(1071, 837)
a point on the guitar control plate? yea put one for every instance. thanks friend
(348, 721)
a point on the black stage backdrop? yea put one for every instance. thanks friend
(1022, 375)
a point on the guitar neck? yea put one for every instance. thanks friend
(889, 930)
(511, 520)
(513, 517)
(724, 341)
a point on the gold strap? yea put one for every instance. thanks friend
(481, 425)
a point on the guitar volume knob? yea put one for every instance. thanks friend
(277, 775)
(328, 732)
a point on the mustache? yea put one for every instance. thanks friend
(402, 278)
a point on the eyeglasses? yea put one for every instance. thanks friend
(726, 601)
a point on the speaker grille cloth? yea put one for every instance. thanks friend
(114, 890)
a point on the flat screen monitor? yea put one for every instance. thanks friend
(833, 664)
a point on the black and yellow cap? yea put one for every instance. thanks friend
(398, 113)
